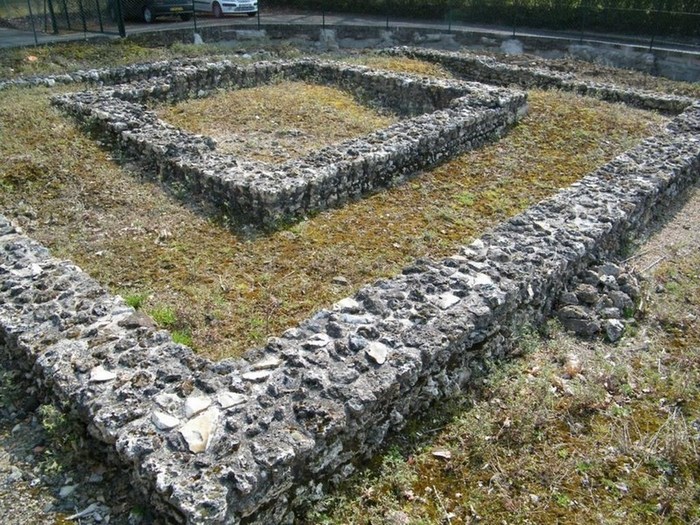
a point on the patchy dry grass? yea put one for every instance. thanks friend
(72, 56)
(278, 122)
(601, 73)
(229, 293)
(574, 432)
(403, 65)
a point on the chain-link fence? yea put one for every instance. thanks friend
(669, 19)
(652, 21)
(54, 16)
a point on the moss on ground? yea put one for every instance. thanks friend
(229, 292)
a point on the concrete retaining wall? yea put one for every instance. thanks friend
(247, 440)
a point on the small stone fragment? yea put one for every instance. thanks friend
(257, 376)
(317, 341)
(482, 280)
(609, 268)
(442, 454)
(572, 366)
(164, 421)
(15, 475)
(99, 375)
(197, 431)
(621, 300)
(229, 399)
(377, 351)
(357, 343)
(171, 402)
(567, 298)
(66, 491)
(586, 293)
(196, 404)
(340, 280)
(347, 305)
(614, 328)
(447, 300)
(266, 364)
(578, 320)
(138, 320)
(610, 313)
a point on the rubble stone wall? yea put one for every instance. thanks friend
(674, 64)
(491, 71)
(443, 118)
(247, 440)
(467, 65)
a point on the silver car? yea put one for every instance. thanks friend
(219, 8)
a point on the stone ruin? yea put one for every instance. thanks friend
(249, 440)
(442, 118)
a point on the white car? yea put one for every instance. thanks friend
(219, 8)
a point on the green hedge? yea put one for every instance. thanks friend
(638, 17)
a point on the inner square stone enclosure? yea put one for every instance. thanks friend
(249, 440)
(442, 118)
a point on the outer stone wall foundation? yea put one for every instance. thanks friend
(248, 440)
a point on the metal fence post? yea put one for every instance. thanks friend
(99, 15)
(449, 16)
(82, 15)
(258, 17)
(31, 17)
(65, 12)
(194, 21)
(387, 7)
(52, 13)
(120, 18)
(655, 7)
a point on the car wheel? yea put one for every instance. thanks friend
(216, 10)
(186, 17)
(148, 15)
(252, 14)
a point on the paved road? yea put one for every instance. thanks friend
(14, 38)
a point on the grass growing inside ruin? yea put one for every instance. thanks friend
(72, 56)
(229, 293)
(573, 432)
(401, 64)
(278, 122)
(598, 72)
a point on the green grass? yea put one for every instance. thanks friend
(182, 337)
(136, 300)
(164, 316)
